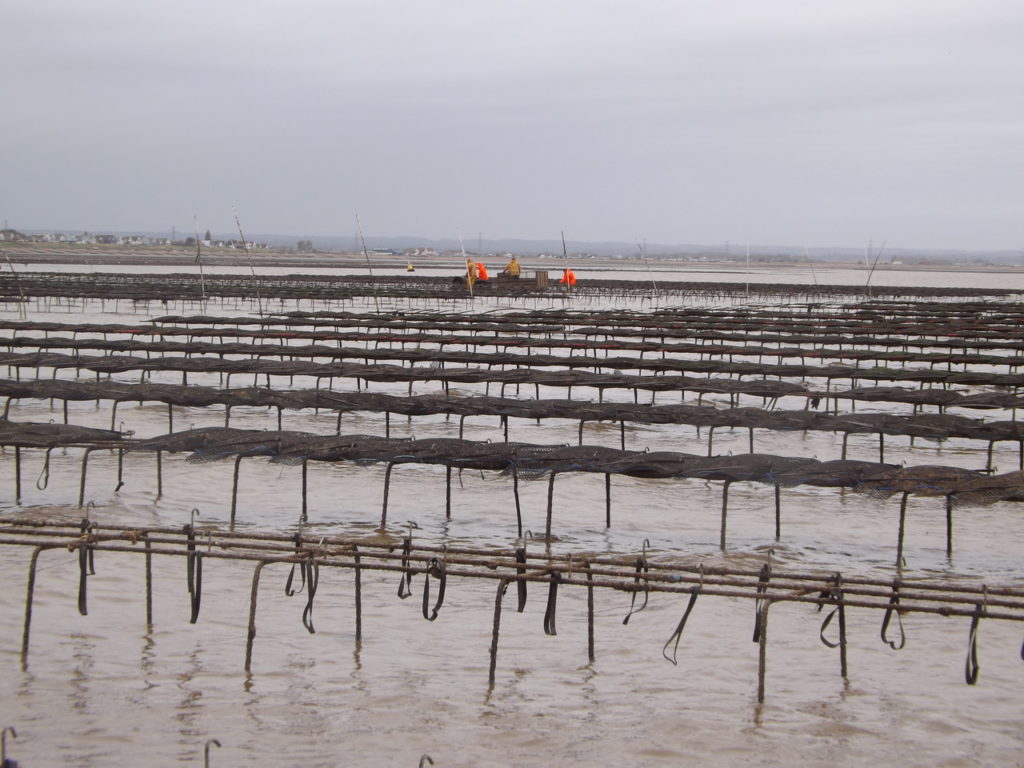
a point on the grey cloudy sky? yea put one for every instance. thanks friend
(679, 121)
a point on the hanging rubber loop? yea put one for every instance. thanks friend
(437, 569)
(549, 612)
(678, 632)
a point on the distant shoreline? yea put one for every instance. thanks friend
(171, 256)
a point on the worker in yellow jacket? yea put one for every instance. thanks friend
(512, 269)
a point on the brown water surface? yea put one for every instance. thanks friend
(102, 690)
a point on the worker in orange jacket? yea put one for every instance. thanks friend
(568, 277)
(481, 272)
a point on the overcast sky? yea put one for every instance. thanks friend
(675, 121)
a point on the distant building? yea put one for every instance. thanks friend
(238, 245)
(12, 236)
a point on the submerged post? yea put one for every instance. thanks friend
(448, 492)
(902, 528)
(551, 500)
(149, 582)
(762, 649)
(387, 490)
(778, 512)
(502, 585)
(359, 596)
(234, 491)
(81, 485)
(590, 613)
(29, 593)
(305, 470)
(725, 509)
(17, 474)
(607, 500)
(159, 474)
(515, 494)
(949, 525)
(252, 613)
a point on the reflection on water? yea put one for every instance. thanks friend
(96, 696)
(79, 684)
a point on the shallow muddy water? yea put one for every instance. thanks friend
(102, 690)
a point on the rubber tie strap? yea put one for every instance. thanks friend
(86, 565)
(894, 603)
(190, 548)
(44, 475)
(549, 612)
(435, 567)
(405, 585)
(288, 590)
(834, 595)
(759, 602)
(310, 570)
(87, 528)
(521, 583)
(971, 667)
(678, 633)
(195, 569)
(641, 568)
